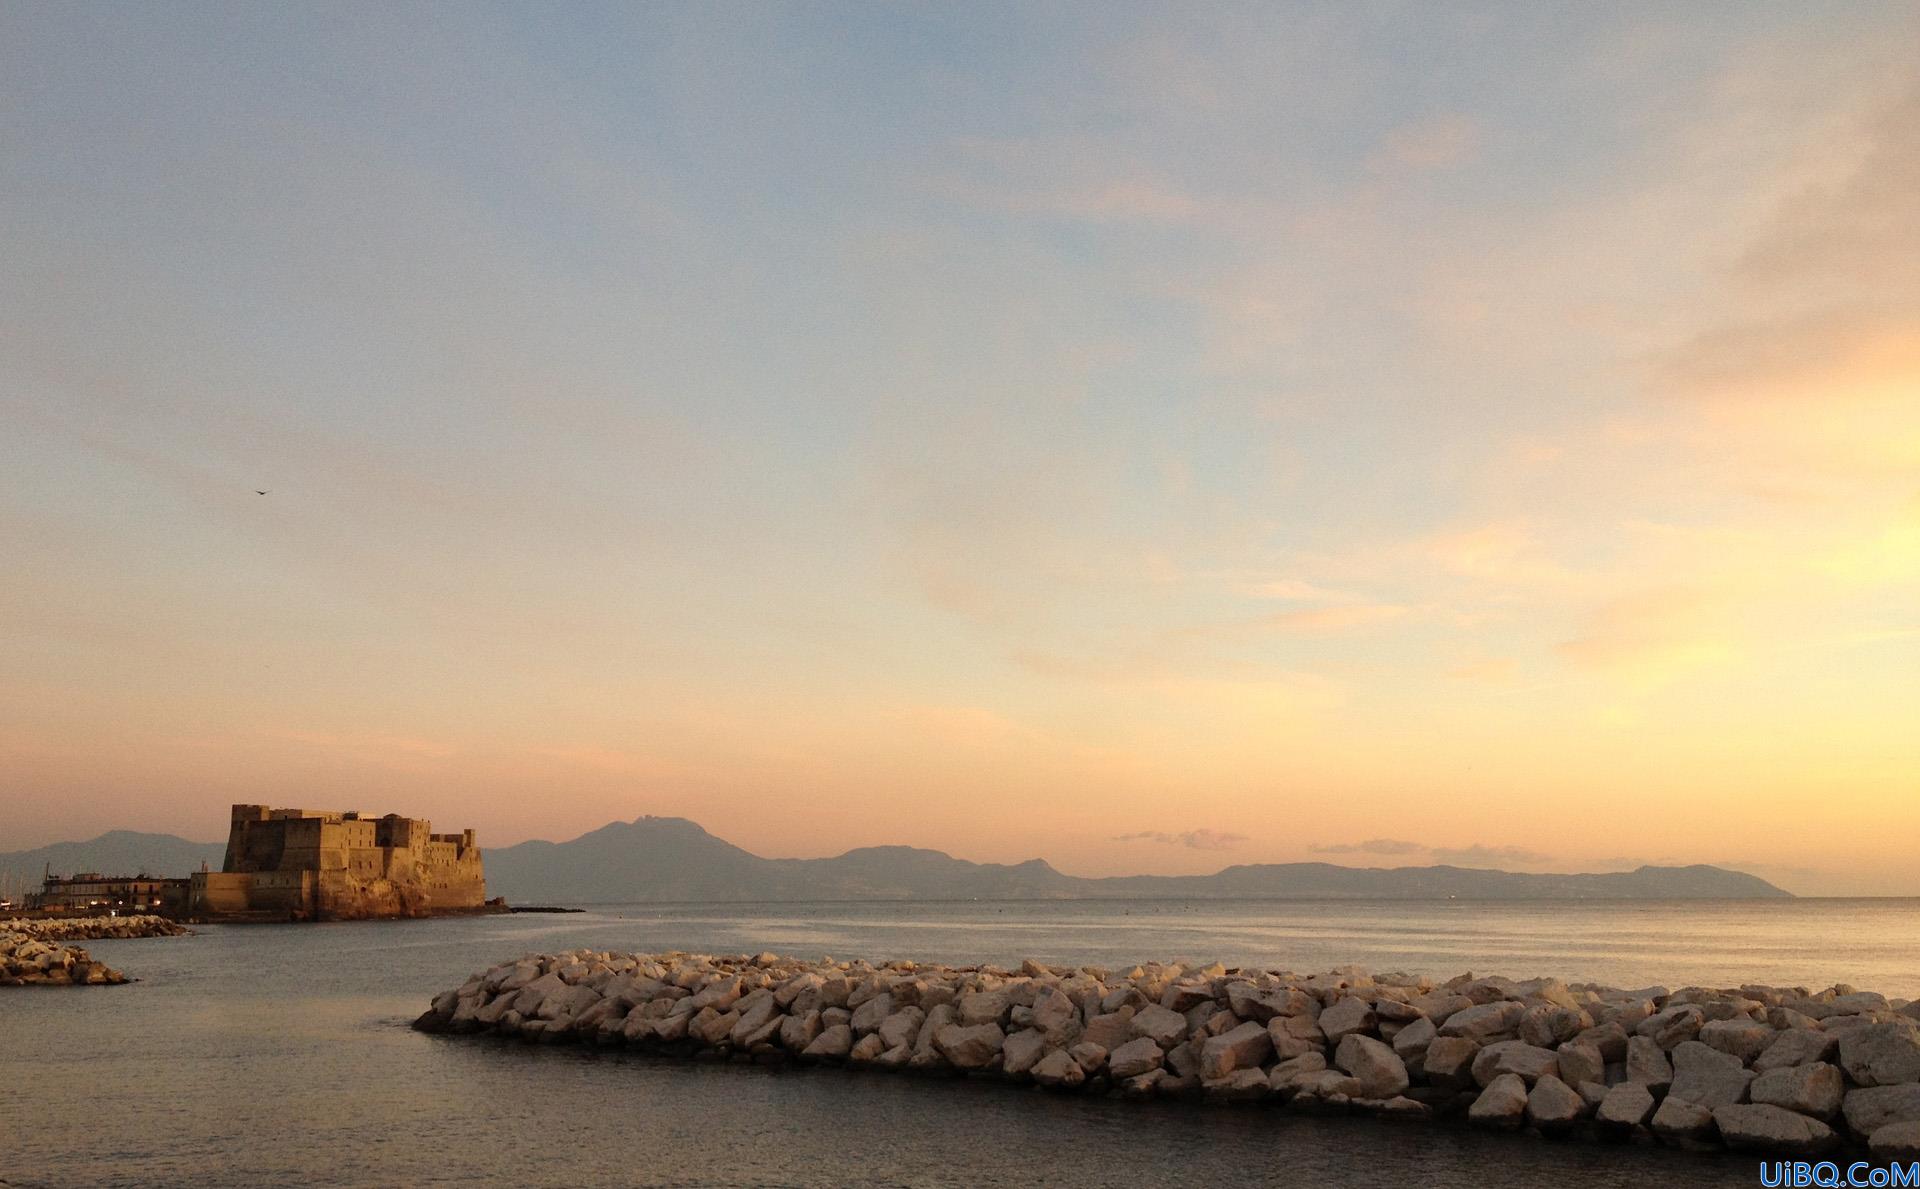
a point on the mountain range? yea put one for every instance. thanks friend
(668, 859)
(673, 859)
(117, 852)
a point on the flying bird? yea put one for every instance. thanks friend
(259, 492)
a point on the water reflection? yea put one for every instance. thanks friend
(281, 1054)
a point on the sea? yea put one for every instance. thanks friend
(281, 1054)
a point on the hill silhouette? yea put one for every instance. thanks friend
(673, 859)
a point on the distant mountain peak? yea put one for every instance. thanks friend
(647, 824)
(899, 850)
(673, 859)
(116, 852)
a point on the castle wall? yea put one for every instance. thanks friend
(220, 892)
(335, 866)
(282, 891)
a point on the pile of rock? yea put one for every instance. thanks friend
(30, 962)
(95, 928)
(1768, 1069)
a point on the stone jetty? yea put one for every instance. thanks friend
(1779, 1070)
(94, 928)
(31, 953)
(29, 962)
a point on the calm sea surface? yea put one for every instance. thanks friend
(281, 1054)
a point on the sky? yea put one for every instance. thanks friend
(1147, 437)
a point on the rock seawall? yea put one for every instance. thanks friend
(31, 953)
(1766, 1069)
(29, 962)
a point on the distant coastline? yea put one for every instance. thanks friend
(665, 859)
(672, 860)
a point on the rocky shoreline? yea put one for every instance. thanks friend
(1783, 1071)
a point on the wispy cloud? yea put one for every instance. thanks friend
(1058, 177)
(1503, 551)
(1294, 589)
(1493, 670)
(1792, 356)
(1326, 621)
(1809, 362)
(1475, 854)
(1193, 839)
(1655, 636)
(1372, 846)
(1436, 142)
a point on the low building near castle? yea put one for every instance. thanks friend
(319, 865)
(91, 892)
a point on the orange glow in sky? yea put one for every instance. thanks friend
(1149, 444)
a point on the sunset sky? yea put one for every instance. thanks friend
(1144, 437)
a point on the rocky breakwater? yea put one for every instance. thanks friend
(1767, 1069)
(30, 962)
(95, 928)
(31, 953)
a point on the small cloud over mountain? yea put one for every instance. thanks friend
(1372, 846)
(1477, 854)
(1474, 855)
(1195, 839)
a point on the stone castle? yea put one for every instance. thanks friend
(319, 865)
